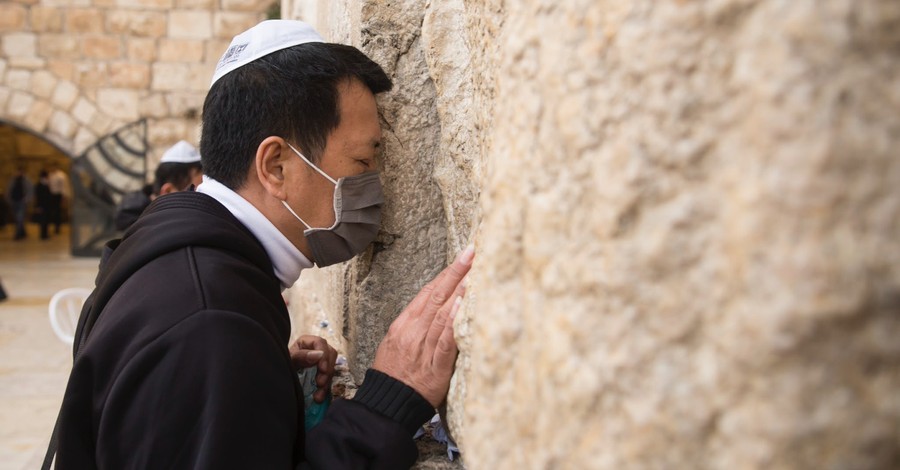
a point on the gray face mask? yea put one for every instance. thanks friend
(357, 217)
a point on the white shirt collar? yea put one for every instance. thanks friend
(287, 260)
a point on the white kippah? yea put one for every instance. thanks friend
(261, 40)
(182, 152)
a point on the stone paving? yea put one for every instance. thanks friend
(34, 363)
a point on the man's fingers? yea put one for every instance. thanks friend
(443, 316)
(306, 358)
(449, 281)
(445, 351)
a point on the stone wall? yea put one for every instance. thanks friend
(75, 70)
(686, 217)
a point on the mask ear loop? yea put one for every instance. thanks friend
(286, 206)
(311, 164)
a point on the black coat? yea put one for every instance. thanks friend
(186, 362)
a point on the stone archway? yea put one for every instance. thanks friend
(54, 109)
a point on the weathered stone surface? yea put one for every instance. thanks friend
(141, 49)
(686, 218)
(43, 84)
(38, 115)
(101, 47)
(129, 75)
(63, 125)
(19, 104)
(59, 45)
(255, 6)
(181, 76)
(137, 23)
(12, 17)
(154, 105)
(187, 105)
(119, 103)
(65, 94)
(30, 63)
(190, 24)
(19, 79)
(84, 111)
(45, 19)
(84, 20)
(19, 44)
(228, 24)
(181, 50)
(145, 4)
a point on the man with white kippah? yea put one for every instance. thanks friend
(181, 353)
(179, 169)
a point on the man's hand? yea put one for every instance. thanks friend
(310, 351)
(419, 349)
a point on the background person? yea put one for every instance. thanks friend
(19, 193)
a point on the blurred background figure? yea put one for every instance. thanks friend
(19, 193)
(60, 192)
(43, 203)
(178, 170)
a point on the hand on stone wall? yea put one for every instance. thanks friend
(419, 349)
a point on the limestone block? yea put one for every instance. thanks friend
(213, 50)
(61, 46)
(101, 47)
(102, 124)
(18, 79)
(30, 63)
(137, 23)
(119, 103)
(169, 76)
(65, 95)
(186, 105)
(62, 69)
(38, 115)
(145, 4)
(43, 84)
(63, 125)
(45, 19)
(84, 20)
(255, 6)
(19, 104)
(12, 17)
(84, 111)
(181, 76)
(3, 66)
(154, 106)
(140, 49)
(181, 50)
(162, 132)
(84, 138)
(129, 75)
(91, 75)
(227, 24)
(190, 24)
(196, 4)
(19, 44)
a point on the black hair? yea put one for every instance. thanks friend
(291, 93)
(177, 173)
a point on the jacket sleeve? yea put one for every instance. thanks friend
(214, 391)
(373, 431)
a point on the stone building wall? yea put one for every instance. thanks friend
(686, 217)
(75, 70)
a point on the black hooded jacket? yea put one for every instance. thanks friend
(182, 362)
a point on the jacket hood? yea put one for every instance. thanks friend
(169, 223)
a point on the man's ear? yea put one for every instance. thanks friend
(167, 188)
(269, 165)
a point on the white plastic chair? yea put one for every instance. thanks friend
(65, 306)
